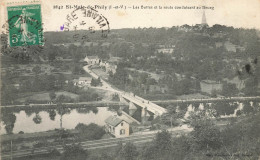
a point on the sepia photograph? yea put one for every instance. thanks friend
(130, 80)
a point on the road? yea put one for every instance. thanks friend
(96, 144)
(105, 85)
(93, 103)
(209, 99)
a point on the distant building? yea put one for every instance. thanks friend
(105, 44)
(17, 86)
(115, 60)
(157, 88)
(218, 44)
(240, 48)
(204, 19)
(90, 44)
(208, 86)
(240, 84)
(92, 60)
(218, 35)
(82, 81)
(165, 50)
(117, 127)
(111, 64)
(230, 47)
(77, 44)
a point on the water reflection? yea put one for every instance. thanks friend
(30, 121)
(8, 120)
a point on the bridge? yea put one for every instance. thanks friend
(135, 100)
(148, 108)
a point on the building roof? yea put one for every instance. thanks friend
(92, 57)
(85, 78)
(209, 82)
(113, 121)
(114, 59)
(165, 50)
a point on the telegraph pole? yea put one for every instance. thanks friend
(11, 150)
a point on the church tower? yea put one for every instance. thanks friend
(204, 20)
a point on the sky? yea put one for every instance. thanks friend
(237, 13)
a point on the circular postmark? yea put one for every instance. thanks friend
(22, 34)
(87, 19)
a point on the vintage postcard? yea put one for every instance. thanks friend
(130, 79)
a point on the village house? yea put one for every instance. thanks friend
(207, 86)
(82, 81)
(111, 64)
(117, 127)
(157, 88)
(218, 44)
(77, 44)
(105, 44)
(218, 35)
(165, 50)
(90, 44)
(230, 47)
(240, 84)
(92, 60)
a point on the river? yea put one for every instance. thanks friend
(24, 122)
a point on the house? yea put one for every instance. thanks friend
(208, 86)
(117, 127)
(165, 50)
(111, 68)
(218, 35)
(240, 48)
(240, 84)
(230, 47)
(110, 65)
(157, 88)
(92, 60)
(17, 86)
(115, 60)
(105, 44)
(218, 44)
(83, 81)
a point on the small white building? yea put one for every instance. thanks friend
(165, 50)
(230, 47)
(92, 60)
(117, 127)
(82, 81)
(208, 86)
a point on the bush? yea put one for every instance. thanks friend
(74, 152)
(90, 132)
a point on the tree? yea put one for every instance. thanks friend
(250, 86)
(129, 152)
(247, 108)
(161, 147)
(52, 114)
(75, 152)
(37, 119)
(9, 120)
(52, 95)
(229, 89)
(115, 97)
(163, 141)
(90, 132)
(206, 135)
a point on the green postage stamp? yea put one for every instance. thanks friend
(25, 25)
